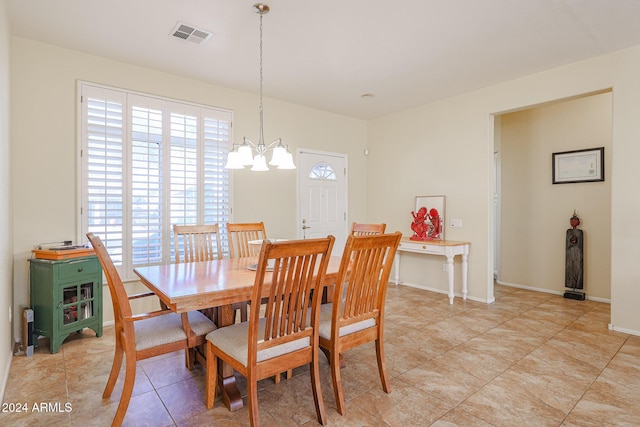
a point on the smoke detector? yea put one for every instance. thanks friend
(190, 33)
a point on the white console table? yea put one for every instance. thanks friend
(446, 248)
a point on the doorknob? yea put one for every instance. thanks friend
(304, 228)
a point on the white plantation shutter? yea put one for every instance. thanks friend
(216, 200)
(102, 181)
(185, 167)
(160, 163)
(146, 200)
(199, 184)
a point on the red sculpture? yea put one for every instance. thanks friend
(426, 226)
(419, 225)
(434, 216)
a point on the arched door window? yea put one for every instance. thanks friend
(322, 170)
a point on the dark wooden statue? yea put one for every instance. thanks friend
(574, 259)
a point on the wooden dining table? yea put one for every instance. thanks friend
(201, 285)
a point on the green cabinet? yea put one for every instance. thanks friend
(66, 297)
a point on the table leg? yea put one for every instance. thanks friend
(450, 275)
(227, 381)
(396, 267)
(465, 268)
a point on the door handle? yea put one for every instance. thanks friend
(304, 228)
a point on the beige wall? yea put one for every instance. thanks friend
(6, 225)
(535, 213)
(446, 147)
(45, 151)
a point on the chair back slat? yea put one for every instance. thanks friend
(359, 229)
(199, 242)
(240, 234)
(298, 267)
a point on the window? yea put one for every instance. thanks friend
(149, 163)
(323, 170)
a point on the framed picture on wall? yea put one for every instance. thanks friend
(578, 166)
(429, 223)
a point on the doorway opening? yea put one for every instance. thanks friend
(531, 214)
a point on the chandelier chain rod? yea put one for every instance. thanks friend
(261, 136)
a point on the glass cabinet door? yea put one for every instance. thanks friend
(86, 304)
(77, 303)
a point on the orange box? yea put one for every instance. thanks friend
(57, 253)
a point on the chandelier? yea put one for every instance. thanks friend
(241, 155)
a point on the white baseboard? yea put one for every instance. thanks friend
(441, 291)
(623, 330)
(549, 291)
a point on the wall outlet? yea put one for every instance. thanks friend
(456, 223)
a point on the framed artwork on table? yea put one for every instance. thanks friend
(429, 219)
(578, 166)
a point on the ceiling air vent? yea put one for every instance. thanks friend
(190, 33)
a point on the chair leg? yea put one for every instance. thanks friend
(317, 390)
(127, 390)
(334, 360)
(382, 366)
(189, 358)
(212, 376)
(252, 397)
(115, 370)
(327, 353)
(288, 374)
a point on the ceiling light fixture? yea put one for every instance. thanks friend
(241, 155)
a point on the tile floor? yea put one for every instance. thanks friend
(529, 359)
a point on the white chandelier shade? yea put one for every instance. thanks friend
(242, 155)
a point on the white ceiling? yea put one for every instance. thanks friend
(326, 54)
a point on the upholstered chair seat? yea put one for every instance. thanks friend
(324, 330)
(168, 328)
(234, 340)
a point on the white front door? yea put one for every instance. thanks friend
(322, 196)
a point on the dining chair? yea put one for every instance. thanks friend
(202, 243)
(285, 334)
(198, 242)
(240, 234)
(141, 336)
(360, 229)
(356, 315)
